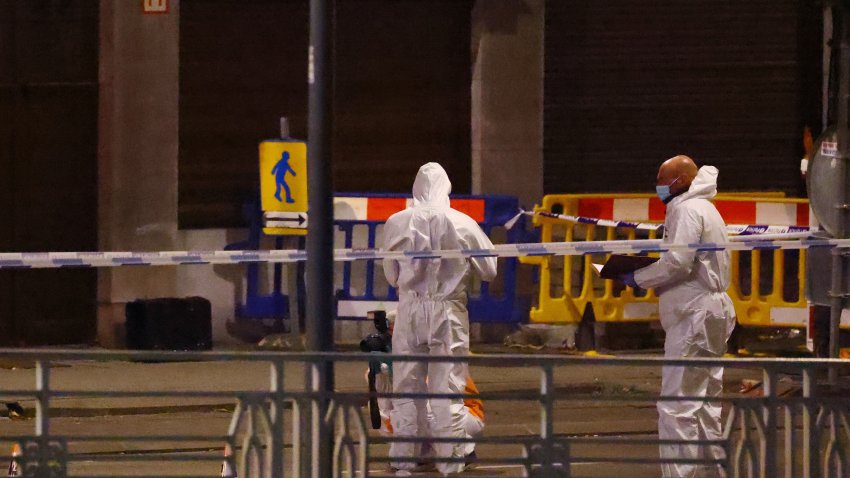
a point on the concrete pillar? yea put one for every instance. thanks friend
(507, 98)
(507, 110)
(138, 164)
(137, 153)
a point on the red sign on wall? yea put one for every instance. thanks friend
(154, 6)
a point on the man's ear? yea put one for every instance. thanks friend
(683, 184)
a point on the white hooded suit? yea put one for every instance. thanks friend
(698, 317)
(432, 315)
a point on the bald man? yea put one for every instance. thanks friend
(696, 314)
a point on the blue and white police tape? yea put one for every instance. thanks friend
(40, 260)
(737, 229)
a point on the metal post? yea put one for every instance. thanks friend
(320, 287)
(839, 260)
(284, 127)
(291, 269)
(549, 450)
(42, 414)
(826, 59)
(277, 282)
(292, 293)
(547, 421)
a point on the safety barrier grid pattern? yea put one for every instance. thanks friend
(769, 435)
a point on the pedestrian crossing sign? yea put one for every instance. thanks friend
(283, 186)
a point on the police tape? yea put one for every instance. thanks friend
(42, 260)
(737, 229)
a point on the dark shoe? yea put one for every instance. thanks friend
(470, 460)
(396, 472)
(425, 467)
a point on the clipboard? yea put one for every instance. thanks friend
(619, 264)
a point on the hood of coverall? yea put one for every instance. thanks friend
(431, 186)
(704, 185)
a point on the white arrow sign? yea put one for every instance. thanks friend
(286, 219)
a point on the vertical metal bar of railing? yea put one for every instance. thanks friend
(832, 458)
(232, 430)
(321, 438)
(300, 440)
(547, 402)
(841, 423)
(790, 442)
(338, 454)
(247, 443)
(547, 425)
(742, 450)
(257, 411)
(758, 430)
(277, 415)
(810, 432)
(768, 445)
(42, 418)
(727, 438)
(362, 459)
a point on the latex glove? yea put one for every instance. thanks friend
(629, 279)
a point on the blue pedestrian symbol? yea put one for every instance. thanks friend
(279, 171)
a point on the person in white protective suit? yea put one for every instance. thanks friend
(432, 315)
(696, 313)
(470, 414)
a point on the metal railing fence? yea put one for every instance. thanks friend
(271, 432)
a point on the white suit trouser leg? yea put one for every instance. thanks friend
(472, 426)
(461, 417)
(692, 420)
(436, 327)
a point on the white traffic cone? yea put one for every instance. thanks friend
(14, 468)
(227, 470)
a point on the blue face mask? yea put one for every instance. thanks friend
(663, 191)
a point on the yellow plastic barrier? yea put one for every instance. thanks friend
(766, 288)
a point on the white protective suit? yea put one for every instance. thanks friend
(467, 414)
(432, 316)
(698, 317)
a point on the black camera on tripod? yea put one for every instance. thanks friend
(381, 341)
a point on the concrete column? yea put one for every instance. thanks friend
(137, 162)
(507, 98)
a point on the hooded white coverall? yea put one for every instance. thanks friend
(432, 315)
(698, 317)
